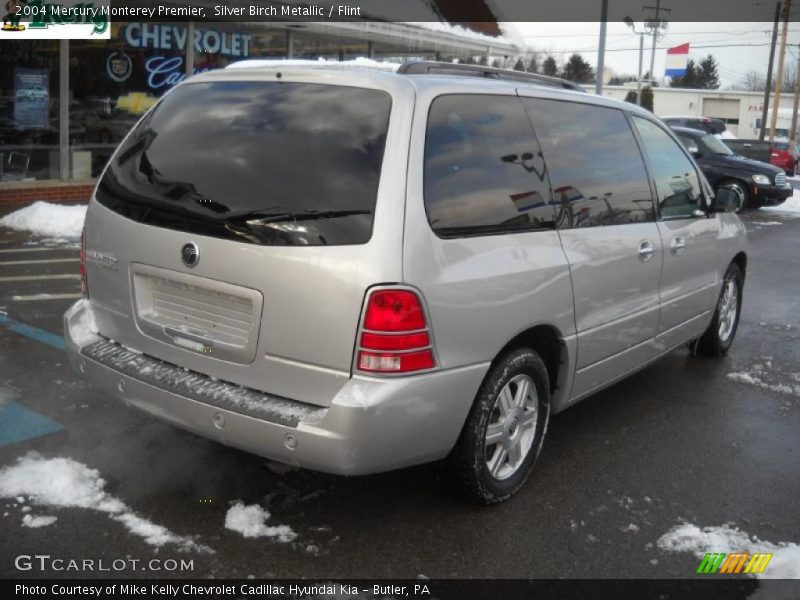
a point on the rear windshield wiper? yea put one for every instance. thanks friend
(261, 217)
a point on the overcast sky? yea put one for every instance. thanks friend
(743, 46)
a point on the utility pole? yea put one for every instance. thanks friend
(639, 76)
(655, 25)
(629, 22)
(767, 90)
(779, 76)
(601, 53)
(793, 132)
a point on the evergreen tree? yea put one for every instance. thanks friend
(577, 69)
(550, 67)
(519, 66)
(533, 64)
(707, 73)
(690, 79)
(647, 97)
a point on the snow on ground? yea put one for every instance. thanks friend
(44, 218)
(758, 374)
(790, 205)
(251, 520)
(34, 521)
(785, 563)
(65, 483)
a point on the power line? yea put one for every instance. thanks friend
(752, 45)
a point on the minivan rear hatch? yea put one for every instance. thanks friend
(233, 231)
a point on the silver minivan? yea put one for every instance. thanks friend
(353, 270)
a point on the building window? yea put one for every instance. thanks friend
(29, 126)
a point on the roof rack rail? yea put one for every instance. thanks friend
(443, 68)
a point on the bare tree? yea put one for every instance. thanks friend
(753, 81)
(789, 78)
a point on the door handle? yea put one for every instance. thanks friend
(646, 250)
(677, 244)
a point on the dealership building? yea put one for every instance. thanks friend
(66, 104)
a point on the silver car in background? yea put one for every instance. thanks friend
(354, 270)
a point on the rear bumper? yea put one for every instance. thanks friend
(371, 425)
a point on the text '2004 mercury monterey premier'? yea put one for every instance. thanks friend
(354, 270)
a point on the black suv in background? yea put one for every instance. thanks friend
(702, 123)
(756, 183)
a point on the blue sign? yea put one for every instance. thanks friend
(31, 98)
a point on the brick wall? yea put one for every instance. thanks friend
(29, 192)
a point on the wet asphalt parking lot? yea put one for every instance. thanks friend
(681, 440)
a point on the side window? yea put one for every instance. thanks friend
(689, 144)
(596, 170)
(484, 171)
(677, 184)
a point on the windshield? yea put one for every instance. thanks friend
(264, 163)
(715, 146)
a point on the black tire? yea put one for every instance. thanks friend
(740, 189)
(713, 342)
(466, 466)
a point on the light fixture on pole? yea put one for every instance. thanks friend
(629, 22)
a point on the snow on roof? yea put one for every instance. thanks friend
(360, 62)
(510, 35)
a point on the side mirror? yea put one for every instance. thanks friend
(725, 200)
(696, 153)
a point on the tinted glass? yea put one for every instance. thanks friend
(715, 146)
(484, 171)
(596, 171)
(677, 184)
(266, 163)
(689, 143)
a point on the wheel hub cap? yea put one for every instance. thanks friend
(512, 427)
(727, 310)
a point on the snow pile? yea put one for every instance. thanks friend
(63, 482)
(251, 520)
(84, 330)
(44, 218)
(790, 205)
(785, 563)
(36, 522)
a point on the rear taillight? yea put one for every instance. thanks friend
(84, 282)
(395, 337)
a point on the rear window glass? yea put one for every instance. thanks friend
(259, 162)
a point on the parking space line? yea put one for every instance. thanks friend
(18, 424)
(47, 249)
(6, 263)
(38, 277)
(40, 335)
(36, 297)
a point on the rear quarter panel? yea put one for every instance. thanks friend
(482, 291)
